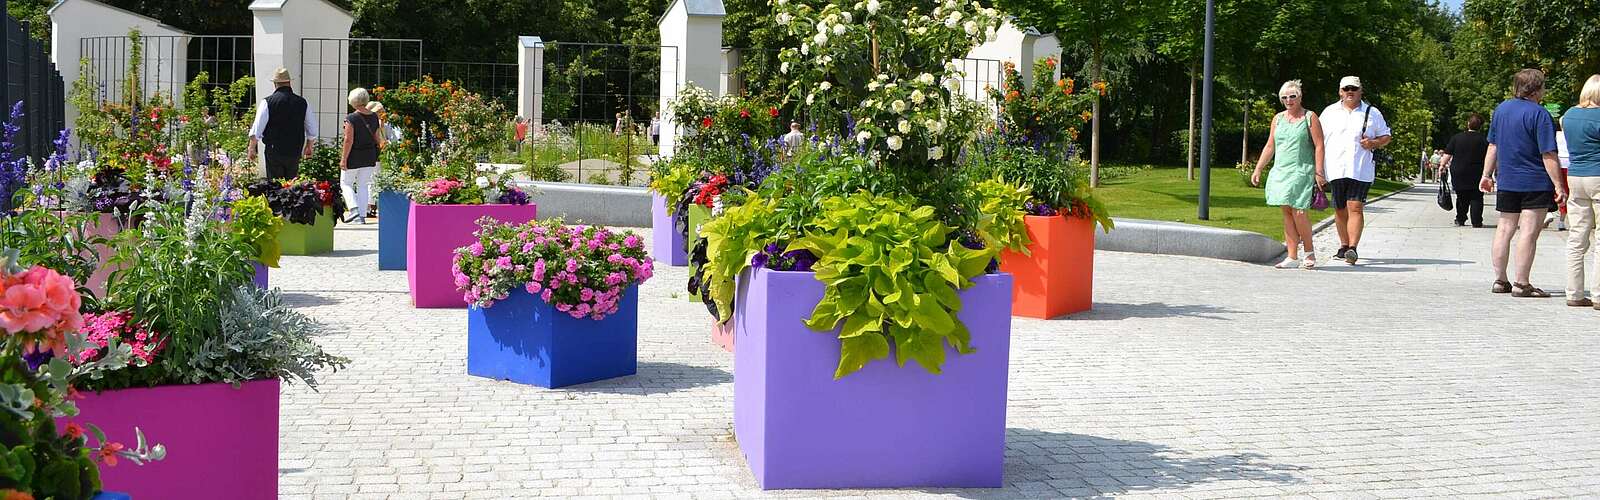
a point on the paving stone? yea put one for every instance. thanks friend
(1192, 378)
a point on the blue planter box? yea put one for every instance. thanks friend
(525, 340)
(394, 209)
(110, 495)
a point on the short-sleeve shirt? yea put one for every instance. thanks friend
(1582, 128)
(1343, 156)
(1522, 132)
(1466, 152)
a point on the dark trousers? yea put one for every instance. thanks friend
(1469, 202)
(283, 166)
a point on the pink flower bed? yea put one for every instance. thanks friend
(581, 270)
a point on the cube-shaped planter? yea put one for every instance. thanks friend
(260, 278)
(433, 233)
(104, 225)
(526, 340)
(1057, 278)
(314, 239)
(222, 442)
(885, 426)
(394, 209)
(722, 335)
(666, 244)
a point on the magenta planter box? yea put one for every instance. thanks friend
(433, 233)
(221, 442)
(666, 243)
(885, 426)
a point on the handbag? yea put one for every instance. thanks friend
(1445, 201)
(1319, 200)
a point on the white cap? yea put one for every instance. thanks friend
(1349, 81)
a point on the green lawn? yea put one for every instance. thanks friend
(1165, 193)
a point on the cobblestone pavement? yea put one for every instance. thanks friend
(1192, 378)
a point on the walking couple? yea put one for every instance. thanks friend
(1310, 153)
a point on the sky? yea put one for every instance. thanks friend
(1454, 5)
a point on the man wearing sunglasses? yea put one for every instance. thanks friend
(1351, 131)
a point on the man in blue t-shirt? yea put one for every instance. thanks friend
(1522, 148)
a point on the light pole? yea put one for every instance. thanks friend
(1205, 116)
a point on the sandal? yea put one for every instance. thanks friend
(1310, 261)
(1528, 290)
(1501, 286)
(1584, 302)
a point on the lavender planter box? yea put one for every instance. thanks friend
(526, 340)
(394, 209)
(260, 278)
(666, 244)
(433, 233)
(800, 428)
(221, 442)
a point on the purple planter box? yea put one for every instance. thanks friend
(885, 426)
(221, 442)
(666, 244)
(260, 278)
(433, 233)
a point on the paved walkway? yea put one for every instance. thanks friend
(1192, 378)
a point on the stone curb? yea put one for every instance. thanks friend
(630, 207)
(591, 204)
(1176, 238)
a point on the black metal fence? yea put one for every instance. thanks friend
(166, 64)
(31, 78)
(331, 67)
(597, 103)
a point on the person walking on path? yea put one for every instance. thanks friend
(1294, 145)
(1581, 126)
(1521, 164)
(1351, 131)
(1564, 161)
(1463, 156)
(285, 126)
(359, 158)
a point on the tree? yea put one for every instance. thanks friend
(1411, 121)
(1102, 27)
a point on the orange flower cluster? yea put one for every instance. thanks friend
(1101, 87)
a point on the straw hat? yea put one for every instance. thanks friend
(281, 75)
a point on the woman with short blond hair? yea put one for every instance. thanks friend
(1295, 147)
(359, 157)
(1581, 125)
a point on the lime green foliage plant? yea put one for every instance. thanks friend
(892, 273)
(672, 180)
(254, 222)
(1002, 219)
(1058, 181)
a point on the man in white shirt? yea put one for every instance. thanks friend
(1351, 131)
(793, 139)
(284, 124)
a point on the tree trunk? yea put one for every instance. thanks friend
(1094, 137)
(1190, 153)
(1244, 137)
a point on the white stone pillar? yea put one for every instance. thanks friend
(530, 81)
(691, 53)
(279, 28)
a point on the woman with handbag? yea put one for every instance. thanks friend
(359, 159)
(1295, 147)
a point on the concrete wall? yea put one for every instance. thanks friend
(591, 204)
(74, 20)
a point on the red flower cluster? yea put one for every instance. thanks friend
(744, 113)
(708, 194)
(705, 122)
(772, 112)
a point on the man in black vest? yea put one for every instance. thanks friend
(284, 124)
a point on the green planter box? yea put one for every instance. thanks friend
(698, 215)
(300, 239)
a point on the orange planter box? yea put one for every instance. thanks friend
(1058, 278)
(722, 335)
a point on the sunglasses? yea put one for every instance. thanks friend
(1352, 89)
(1289, 96)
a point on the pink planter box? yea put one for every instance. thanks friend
(108, 227)
(433, 233)
(221, 442)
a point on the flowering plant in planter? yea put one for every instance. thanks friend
(483, 189)
(1058, 180)
(883, 210)
(581, 270)
(39, 321)
(102, 329)
(299, 201)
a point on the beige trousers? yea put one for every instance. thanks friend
(1582, 205)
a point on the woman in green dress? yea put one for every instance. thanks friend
(1295, 147)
